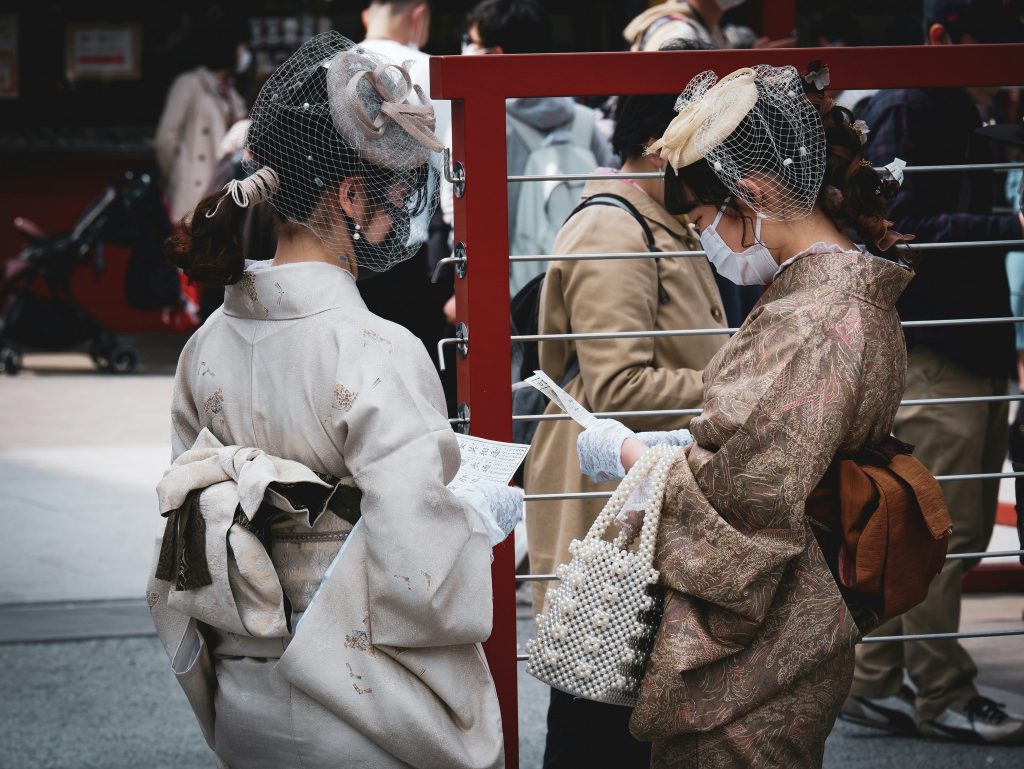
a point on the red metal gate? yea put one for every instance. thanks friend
(478, 87)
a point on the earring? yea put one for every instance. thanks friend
(356, 235)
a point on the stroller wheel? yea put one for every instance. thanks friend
(10, 360)
(123, 359)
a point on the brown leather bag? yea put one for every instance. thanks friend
(881, 520)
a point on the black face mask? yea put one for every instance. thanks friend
(368, 253)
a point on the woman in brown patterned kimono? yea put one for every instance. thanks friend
(754, 654)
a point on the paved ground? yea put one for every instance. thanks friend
(84, 683)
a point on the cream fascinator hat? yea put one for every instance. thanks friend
(755, 123)
(707, 115)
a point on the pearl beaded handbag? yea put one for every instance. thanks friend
(595, 637)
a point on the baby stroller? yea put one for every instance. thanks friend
(37, 309)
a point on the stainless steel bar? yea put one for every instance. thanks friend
(605, 495)
(691, 254)
(697, 412)
(658, 175)
(608, 415)
(953, 244)
(929, 636)
(950, 557)
(715, 331)
(989, 554)
(962, 322)
(906, 638)
(968, 399)
(977, 476)
(566, 495)
(611, 255)
(446, 261)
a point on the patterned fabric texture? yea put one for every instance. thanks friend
(787, 731)
(751, 607)
(385, 668)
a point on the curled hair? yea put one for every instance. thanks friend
(853, 194)
(207, 245)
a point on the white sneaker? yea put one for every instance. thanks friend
(895, 713)
(979, 720)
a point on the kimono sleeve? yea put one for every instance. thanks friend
(185, 424)
(733, 524)
(428, 563)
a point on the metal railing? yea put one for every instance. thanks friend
(659, 174)
(478, 88)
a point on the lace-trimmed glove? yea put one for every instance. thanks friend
(600, 447)
(498, 506)
(600, 450)
(665, 438)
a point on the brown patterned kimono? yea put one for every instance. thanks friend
(755, 652)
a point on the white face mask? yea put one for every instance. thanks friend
(753, 267)
(728, 5)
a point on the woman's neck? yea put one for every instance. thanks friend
(304, 246)
(792, 238)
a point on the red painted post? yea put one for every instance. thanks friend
(485, 378)
(778, 19)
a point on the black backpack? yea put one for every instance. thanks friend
(525, 312)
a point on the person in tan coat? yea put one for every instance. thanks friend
(615, 374)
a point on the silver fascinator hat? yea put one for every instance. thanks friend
(335, 111)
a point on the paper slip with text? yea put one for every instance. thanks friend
(484, 460)
(562, 399)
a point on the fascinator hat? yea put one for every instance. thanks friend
(335, 111)
(755, 123)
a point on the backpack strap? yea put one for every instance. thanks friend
(583, 121)
(609, 199)
(531, 137)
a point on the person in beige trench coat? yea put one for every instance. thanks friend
(201, 106)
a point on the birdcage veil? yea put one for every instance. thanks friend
(335, 111)
(757, 124)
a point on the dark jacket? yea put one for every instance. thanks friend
(936, 127)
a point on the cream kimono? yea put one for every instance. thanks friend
(754, 654)
(378, 662)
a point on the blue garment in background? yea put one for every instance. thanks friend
(1015, 261)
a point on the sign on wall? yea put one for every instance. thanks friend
(103, 51)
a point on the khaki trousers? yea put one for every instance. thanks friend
(948, 439)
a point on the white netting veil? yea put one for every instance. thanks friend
(755, 124)
(348, 145)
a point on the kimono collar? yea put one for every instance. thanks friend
(859, 274)
(290, 291)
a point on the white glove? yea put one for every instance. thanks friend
(665, 438)
(600, 450)
(498, 506)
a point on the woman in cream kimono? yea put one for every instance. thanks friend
(320, 591)
(754, 654)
